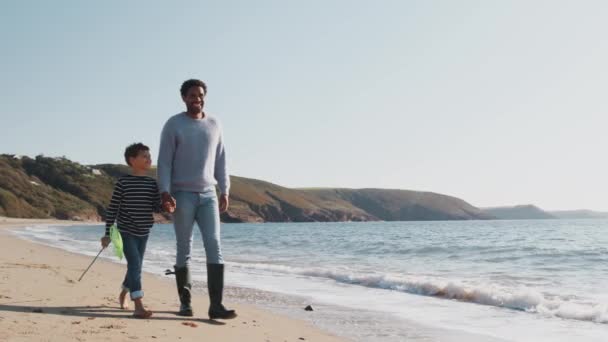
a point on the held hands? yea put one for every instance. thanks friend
(105, 241)
(168, 202)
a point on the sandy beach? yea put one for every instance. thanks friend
(41, 300)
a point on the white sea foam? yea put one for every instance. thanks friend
(517, 298)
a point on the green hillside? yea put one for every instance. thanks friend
(57, 187)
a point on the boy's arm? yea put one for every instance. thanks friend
(114, 206)
(166, 154)
(157, 202)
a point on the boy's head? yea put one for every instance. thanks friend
(138, 156)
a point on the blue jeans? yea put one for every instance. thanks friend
(201, 207)
(134, 248)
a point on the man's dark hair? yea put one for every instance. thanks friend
(133, 150)
(192, 83)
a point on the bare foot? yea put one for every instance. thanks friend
(142, 314)
(140, 310)
(122, 300)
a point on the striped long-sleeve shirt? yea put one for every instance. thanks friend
(134, 200)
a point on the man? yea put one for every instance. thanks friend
(191, 162)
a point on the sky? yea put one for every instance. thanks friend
(494, 102)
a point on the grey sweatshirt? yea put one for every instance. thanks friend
(191, 155)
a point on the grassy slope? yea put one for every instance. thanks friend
(57, 187)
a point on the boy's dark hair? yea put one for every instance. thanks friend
(133, 150)
(192, 83)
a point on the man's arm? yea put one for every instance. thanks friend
(166, 154)
(221, 174)
(221, 170)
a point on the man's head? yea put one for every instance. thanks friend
(138, 156)
(193, 94)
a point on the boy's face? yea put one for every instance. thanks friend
(143, 161)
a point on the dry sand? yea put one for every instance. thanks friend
(41, 300)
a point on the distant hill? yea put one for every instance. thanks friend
(402, 205)
(518, 212)
(579, 214)
(266, 202)
(260, 201)
(57, 187)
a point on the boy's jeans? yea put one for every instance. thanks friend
(134, 248)
(201, 207)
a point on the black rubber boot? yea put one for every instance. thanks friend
(184, 288)
(215, 283)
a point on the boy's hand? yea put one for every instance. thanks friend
(168, 202)
(105, 241)
(168, 207)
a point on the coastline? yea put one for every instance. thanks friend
(41, 297)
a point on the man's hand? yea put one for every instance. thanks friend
(224, 203)
(105, 241)
(168, 202)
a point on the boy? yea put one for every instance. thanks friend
(134, 199)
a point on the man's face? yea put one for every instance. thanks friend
(194, 99)
(143, 161)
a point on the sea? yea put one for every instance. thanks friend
(520, 280)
